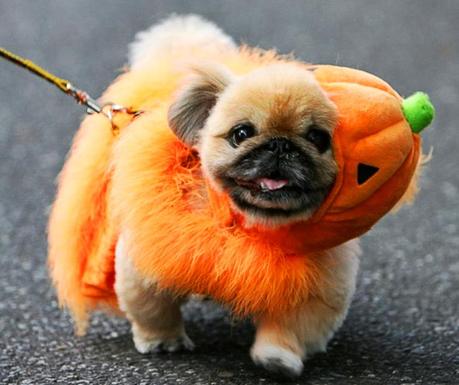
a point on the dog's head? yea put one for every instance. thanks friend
(264, 138)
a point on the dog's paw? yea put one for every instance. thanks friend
(165, 345)
(277, 360)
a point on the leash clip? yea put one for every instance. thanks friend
(110, 110)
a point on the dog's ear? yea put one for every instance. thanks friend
(190, 110)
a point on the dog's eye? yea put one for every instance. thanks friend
(319, 138)
(240, 133)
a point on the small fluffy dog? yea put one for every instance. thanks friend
(220, 121)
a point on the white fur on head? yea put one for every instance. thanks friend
(177, 36)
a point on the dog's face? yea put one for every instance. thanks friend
(264, 138)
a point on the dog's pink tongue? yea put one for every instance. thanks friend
(271, 184)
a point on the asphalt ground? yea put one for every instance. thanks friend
(403, 324)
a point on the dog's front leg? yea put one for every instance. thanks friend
(155, 316)
(283, 342)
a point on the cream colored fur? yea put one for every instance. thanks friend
(173, 34)
(155, 316)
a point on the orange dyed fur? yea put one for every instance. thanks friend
(186, 236)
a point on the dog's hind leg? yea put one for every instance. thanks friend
(155, 316)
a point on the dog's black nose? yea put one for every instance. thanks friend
(280, 145)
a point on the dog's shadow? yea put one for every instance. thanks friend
(222, 350)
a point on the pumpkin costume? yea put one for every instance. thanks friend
(147, 181)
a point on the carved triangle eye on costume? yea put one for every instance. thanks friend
(365, 172)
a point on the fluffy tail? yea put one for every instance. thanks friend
(78, 226)
(177, 36)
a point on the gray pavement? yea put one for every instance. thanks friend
(403, 325)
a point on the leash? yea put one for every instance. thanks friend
(109, 110)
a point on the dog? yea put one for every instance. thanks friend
(243, 143)
(266, 139)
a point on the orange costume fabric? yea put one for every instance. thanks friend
(185, 236)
